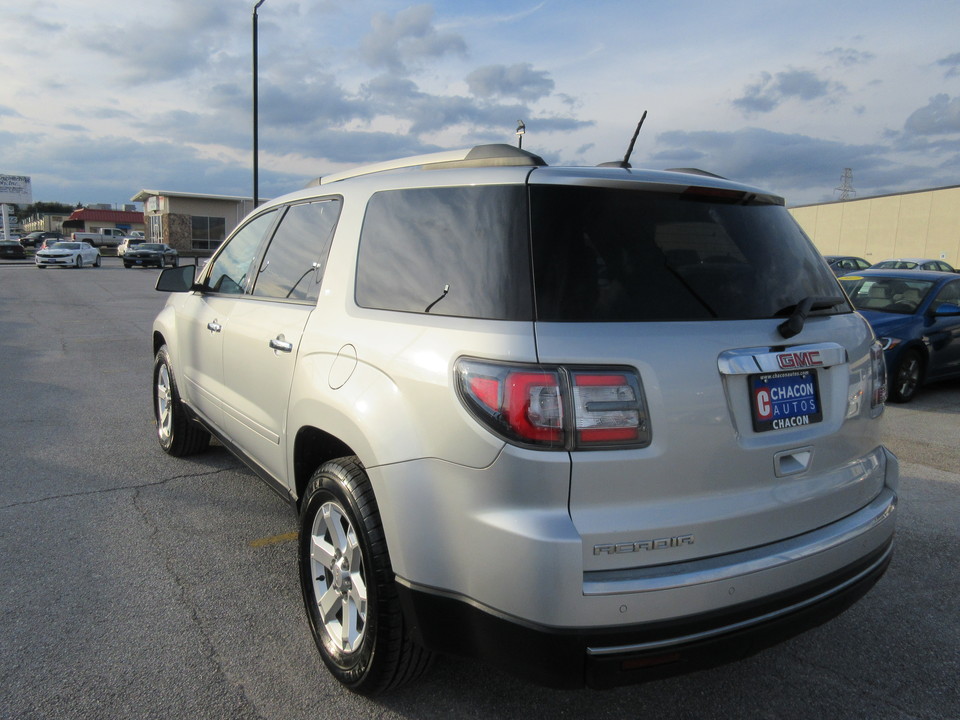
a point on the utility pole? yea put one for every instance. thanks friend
(256, 146)
(846, 185)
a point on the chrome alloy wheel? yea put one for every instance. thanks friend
(339, 584)
(164, 403)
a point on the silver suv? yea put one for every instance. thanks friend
(594, 425)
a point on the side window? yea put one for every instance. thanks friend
(460, 251)
(232, 266)
(949, 293)
(294, 262)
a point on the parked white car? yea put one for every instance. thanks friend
(68, 254)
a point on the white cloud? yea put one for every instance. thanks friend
(107, 97)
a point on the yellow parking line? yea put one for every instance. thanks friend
(275, 540)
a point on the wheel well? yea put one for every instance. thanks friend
(158, 342)
(312, 448)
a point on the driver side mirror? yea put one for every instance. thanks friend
(177, 279)
(947, 310)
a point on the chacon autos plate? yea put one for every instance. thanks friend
(783, 400)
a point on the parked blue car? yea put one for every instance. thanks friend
(916, 316)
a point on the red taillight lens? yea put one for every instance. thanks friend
(533, 406)
(556, 407)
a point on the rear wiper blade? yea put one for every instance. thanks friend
(794, 324)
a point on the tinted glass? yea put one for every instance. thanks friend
(605, 254)
(459, 251)
(232, 266)
(950, 293)
(293, 265)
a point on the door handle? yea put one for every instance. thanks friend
(214, 326)
(280, 344)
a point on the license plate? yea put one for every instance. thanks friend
(139, 262)
(784, 400)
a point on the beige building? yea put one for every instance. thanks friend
(192, 223)
(921, 224)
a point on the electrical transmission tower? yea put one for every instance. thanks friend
(846, 185)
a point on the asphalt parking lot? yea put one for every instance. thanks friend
(135, 585)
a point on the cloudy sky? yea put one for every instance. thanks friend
(101, 99)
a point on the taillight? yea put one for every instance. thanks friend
(556, 407)
(879, 372)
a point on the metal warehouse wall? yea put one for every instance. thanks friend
(919, 224)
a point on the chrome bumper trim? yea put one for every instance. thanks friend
(750, 622)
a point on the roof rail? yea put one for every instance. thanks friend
(497, 155)
(695, 171)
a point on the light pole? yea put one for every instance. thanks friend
(256, 147)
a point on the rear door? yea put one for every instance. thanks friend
(261, 344)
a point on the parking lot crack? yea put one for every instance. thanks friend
(117, 488)
(190, 606)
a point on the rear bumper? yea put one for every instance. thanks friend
(787, 587)
(608, 657)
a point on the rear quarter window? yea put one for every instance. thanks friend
(459, 251)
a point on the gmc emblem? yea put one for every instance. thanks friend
(790, 360)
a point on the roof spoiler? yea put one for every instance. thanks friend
(497, 155)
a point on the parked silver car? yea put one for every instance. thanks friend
(593, 425)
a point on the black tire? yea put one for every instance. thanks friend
(177, 434)
(96, 263)
(175, 262)
(127, 266)
(344, 560)
(79, 262)
(907, 377)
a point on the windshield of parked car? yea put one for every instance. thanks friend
(886, 294)
(149, 246)
(66, 246)
(896, 265)
(611, 254)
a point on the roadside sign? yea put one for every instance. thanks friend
(15, 190)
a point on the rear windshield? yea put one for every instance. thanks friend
(605, 254)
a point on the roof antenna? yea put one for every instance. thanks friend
(625, 163)
(521, 130)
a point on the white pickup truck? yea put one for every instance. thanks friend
(110, 237)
